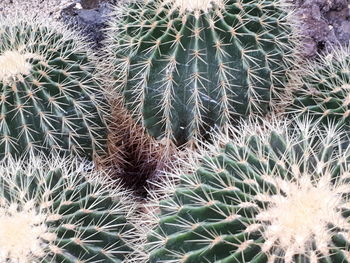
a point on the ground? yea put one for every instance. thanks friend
(324, 23)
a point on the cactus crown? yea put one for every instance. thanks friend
(54, 210)
(273, 194)
(50, 97)
(14, 65)
(23, 233)
(199, 5)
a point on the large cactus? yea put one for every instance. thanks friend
(275, 194)
(49, 95)
(53, 210)
(188, 67)
(323, 91)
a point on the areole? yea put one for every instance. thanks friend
(193, 5)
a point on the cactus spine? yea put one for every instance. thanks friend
(186, 68)
(53, 210)
(274, 194)
(49, 94)
(323, 91)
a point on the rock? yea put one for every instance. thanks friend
(90, 16)
(324, 24)
(90, 4)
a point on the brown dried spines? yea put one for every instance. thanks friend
(133, 155)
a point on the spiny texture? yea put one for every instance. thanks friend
(186, 68)
(50, 98)
(323, 91)
(273, 195)
(203, 5)
(133, 156)
(53, 210)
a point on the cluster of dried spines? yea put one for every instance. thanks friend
(275, 194)
(50, 97)
(186, 68)
(132, 153)
(323, 91)
(54, 210)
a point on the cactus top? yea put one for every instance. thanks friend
(53, 210)
(14, 65)
(202, 5)
(274, 194)
(22, 233)
(50, 95)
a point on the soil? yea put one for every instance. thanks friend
(324, 24)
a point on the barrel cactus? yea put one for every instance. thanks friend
(274, 194)
(50, 97)
(323, 91)
(186, 68)
(54, 210)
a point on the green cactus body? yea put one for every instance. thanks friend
(186, 68)
(324, 89)
(56, 211)
(273, 195)
(49, 96)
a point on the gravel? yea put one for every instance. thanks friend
(50, 8)
(89, 16)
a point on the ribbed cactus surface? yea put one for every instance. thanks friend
(49, 95)
(55, 211)
(186, 68)
(324, 90)
(275, 194)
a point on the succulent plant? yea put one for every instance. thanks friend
(50, 97)
(323, 91)
(55, 210)
(272, 194)
(186, 68)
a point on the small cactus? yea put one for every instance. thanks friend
(271, 194)
(186, 68)
(54, 210)
(50, 98)
(323, 91)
